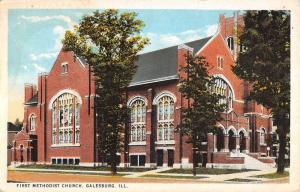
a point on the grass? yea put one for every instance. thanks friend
(242, 180)
(172, 177)
(77, 173)
(207, 171)
(273, 175)
(82, 168)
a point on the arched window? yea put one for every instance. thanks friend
(32, 122)
(165, 118)
(222, 88)
(262, 136)
(230, 43)
(65, 119)
(138, 121)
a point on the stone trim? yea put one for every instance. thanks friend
(65, 145)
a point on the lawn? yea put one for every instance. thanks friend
(172, 177)
(68, 167)
(273, 175)
(83, 173)
(207, 171)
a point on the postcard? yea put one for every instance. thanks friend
(131, 96)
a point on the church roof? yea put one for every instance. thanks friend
(161, 65)
(12, 127)
(33, 100)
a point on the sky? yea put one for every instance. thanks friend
(34, 40)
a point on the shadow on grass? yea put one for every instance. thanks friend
(173, 177)
(273, 175)
(243, 180)
(207, 171)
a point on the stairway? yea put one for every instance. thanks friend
(252, 163)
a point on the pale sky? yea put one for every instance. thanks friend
(34, 39)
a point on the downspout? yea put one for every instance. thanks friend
(45, 122)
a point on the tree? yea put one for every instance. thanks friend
(110, 42)
(18, 124)
(204, 108)
(265, 63)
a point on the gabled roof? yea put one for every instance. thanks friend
(33, 100)
(161, 65)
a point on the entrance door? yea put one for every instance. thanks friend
(170, 158)
(160, 157)
(21, 153)
(204, 159)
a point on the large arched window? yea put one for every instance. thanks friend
(165, 130)
(138, 121)
(222, 88)
(65, 119)
(32, 121)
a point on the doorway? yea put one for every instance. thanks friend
(160, 158)
(21, 153)
(231, 140)
(170, 158)
(242, 142)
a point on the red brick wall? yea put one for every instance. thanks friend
(77, 79)
(224, 158)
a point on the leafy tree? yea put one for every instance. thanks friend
(265, 63)
(110, 42)
(18, 124)
(204, 108)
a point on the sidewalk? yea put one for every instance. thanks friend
(244, 175)
(223, 178)
(155, 171)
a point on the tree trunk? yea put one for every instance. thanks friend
(282, 144)
(194, 162)
(113, 164)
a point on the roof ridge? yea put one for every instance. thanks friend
(175, 45)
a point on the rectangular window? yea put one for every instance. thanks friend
(59, 161)
(71, 161)
(133, 160)
(65, 161)
(53, 161)
(220, 62)
(77, 161)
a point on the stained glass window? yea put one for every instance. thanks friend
(32, 122)
(65, 111)
(138, 121)
(222, 88)
(165, 118)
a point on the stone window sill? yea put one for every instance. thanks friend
(166, 142)
(65, 145)
(138, 143)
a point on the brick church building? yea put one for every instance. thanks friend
(59, 117)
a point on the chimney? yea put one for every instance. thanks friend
(222, 25)
(30, 90)
(183, 50)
